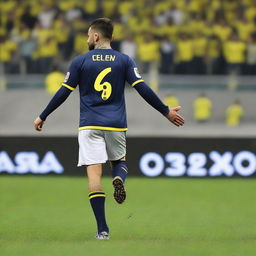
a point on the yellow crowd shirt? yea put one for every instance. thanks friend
(213, 48)
(171, 101)
(202, 108)
(65, 5)
(161, 6)
(196, 26)
(234, 114)
(184, 50)
(118, 31)
(170, 31)
(61, 31)
(6, 50)
(80, 46)
(234, 52)
(109, 7)
(250, 13)
(44, 34)
(48, 49)
(138, 25)
(244, 30)
(125, 7)
(199, 46)
(223, 32)
(90, 6)
(148, 51)
(53, 81)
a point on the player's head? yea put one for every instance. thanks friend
(100, 30)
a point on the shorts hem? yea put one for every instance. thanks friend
(117, 158)
(90, 163)
(103, 128)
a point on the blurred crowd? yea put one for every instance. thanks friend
(182, 37)
(203, 108)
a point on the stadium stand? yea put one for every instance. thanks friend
(142, 119)
(185, 36)
(204, 39)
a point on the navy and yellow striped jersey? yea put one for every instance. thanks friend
(101, 75)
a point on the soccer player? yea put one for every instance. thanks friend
(101, 75)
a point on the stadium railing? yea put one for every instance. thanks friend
(166, 82)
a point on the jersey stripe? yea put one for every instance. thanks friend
(69, 87)
(98, 195)
(136, 82)
(102, 128)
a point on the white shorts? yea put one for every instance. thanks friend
(98, 146)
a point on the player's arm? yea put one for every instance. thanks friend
(134, 78)
(151, 98)
(61, 95)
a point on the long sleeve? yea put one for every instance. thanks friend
(60, 96)
(151, 98)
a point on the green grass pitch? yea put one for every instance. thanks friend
(189, 217)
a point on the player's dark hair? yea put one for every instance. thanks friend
(103, 25)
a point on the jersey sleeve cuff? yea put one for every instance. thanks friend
(42, 117)
(136, 82)
(166, 110)
(68, 86)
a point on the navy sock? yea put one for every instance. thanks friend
(97, 200)
(119, 169)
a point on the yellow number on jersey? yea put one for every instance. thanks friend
(106, 86)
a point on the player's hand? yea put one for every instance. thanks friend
(174, 117)
(38, 124)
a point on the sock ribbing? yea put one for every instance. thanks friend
(96, 194)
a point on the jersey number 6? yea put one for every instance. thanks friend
(105, 87)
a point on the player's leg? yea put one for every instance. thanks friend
(119, 174)
(116, 150)
(92, 152)
(97, 198)
(119, 169)
(94, 173)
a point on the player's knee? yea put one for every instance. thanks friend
(94, 170)
(94, 181)
(120, 161)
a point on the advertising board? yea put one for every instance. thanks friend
(151, 157)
